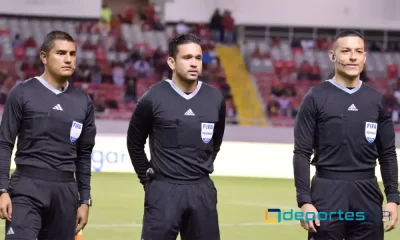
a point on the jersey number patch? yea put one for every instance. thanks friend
(370, 131)
(207, 130)
(76, 130)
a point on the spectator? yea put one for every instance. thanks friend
(129, 14)
(314, 74)
(115, 24)
(285, 106)
(182, 28)
(134, 56)
(295, 103)
(5, 88)
(228, 26)
(87, 45)
(3, 75)
(272, 107)
(203, 32)
(374, 47)
(307, 44)
(158, 25)
(296, 43)
(304, 71)
(83, 71)
(277, 88)
(149, 13)
(118, 75)
(285, 76)
(160, 64)
(120, 45)
(99, 103)
(225, 88)
(85, 88)
(396, 91)
(216, 26)
(95, 75)
(130, 68)
(130, 92)
(103, 27)
(30, 43)
(142, 68)
(108, 59)
(18, 42)
(100, 56)
(106, 13)
(392, 105)
(231, 113)
(30, 69)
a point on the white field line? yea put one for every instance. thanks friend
(245, 224)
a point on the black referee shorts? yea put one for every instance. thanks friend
(186, 208)
(354, 203)
(44, 205)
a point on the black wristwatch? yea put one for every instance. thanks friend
(87, 202)
(3, 191)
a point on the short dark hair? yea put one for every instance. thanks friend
(348, 33)
(48, 42)
(179, 40)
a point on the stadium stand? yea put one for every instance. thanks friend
(286, 64)
(119, 57)
(124, 53)
(262, 70)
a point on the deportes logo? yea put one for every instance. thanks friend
(276, 215)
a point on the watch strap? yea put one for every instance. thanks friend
(87, 202)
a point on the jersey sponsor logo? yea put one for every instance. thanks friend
(189, 113)
(76, 130)
(207, 130)
(58, 107)
(352, 108)
(10, 231)
(370, 131)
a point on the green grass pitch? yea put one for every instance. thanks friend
(118, 208)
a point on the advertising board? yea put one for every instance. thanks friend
(239, 159)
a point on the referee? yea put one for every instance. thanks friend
(185, 121)
(54, 122)
(344, 123)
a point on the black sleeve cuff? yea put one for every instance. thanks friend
(84, 194)
(4, 184)
(303, 199)
(393, 197)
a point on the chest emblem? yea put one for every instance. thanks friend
(76, 130)
(207, 130)
(371, 130)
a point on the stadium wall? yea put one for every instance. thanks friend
(89, 9)
(236, 158)
(370, 14)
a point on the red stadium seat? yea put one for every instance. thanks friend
(392, 71)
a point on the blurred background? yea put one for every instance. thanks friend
(263, 55)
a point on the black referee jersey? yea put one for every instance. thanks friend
(56, 131)
(347, 130)
(185, 131)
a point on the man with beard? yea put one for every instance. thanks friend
(185, 121)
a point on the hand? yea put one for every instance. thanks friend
(5, 207)
(392, 208)
(309, 225)
(82, 218)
